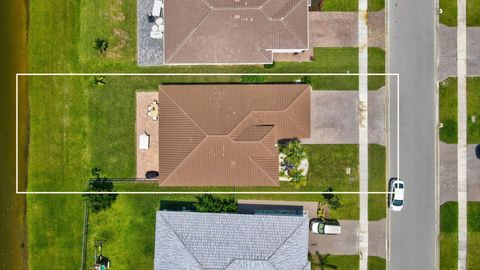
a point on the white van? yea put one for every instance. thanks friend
(325, 226)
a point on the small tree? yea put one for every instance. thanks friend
(98, 80)
(294, 152)
(101, 45)
(320, 261)
(332, 199)
(210, 203)
(99, 202)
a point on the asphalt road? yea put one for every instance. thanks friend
(411, 54)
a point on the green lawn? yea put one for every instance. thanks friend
(473, 13)
(348, 262)
(473, 107)
(377, 208)
(75, 126)
(448, 235)
(448, 110)
(473, 212)
(351, 5)
(449, 14)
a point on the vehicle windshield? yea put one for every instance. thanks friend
(397, 202)
(321, 227)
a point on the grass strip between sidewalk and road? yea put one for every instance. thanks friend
(449, 235)
(448, 110)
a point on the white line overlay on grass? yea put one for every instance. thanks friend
(396, 75)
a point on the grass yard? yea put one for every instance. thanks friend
(348, 262)
(473, 212)
(449, 14)
(448, 235)
(473, 12)
(75, 126)
(350, 5)
(448, 110)
(473, 108)
(377, 208)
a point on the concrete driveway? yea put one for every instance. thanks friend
(448, 173)
(334, 117)
(343, 244)
(338, 29)
(448, 52)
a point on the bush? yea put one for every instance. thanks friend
(101, 45)
(268, 66)
(252, 79)
(212, 204)
(99, 202)
(306, 80)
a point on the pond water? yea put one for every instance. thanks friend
(13, 55)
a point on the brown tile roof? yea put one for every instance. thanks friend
(233, 31)
(225, 135)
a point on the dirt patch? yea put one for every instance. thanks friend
(116, 12)
(121, 37)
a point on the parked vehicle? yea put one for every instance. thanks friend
(397, 189)
(325, 226)
(151, 174)
(477, 151)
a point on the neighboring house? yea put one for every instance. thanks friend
(189, 240)
(233, 32)
(226, 135)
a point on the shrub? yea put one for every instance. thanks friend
(306, 79)
(101, 45)
(268, 66)
(99, 202)
(212, 204)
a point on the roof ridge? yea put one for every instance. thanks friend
(191, 33)
(288, 27)
(184, 160)
(179, 239)
(289, 105)
(196, 147)
(275, 181)
(184, 112)
(264, 137)
(305, 219)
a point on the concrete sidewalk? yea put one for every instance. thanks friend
(448, 173)
(462, 132)
(448, 52)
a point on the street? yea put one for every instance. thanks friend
(411, 53)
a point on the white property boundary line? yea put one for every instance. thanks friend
(396, 75)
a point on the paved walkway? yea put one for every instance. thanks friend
(462, 133)
(448, 52)
(338, 29)
(363, 130)
(448, 173)
(334, 116)
(147, 160)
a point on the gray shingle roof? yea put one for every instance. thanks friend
(189, 240)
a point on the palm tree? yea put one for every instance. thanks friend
(320, 261)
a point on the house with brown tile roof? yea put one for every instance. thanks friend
(233, 31)
(226, 135)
